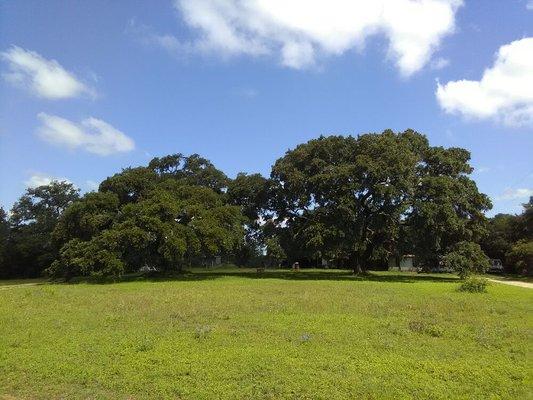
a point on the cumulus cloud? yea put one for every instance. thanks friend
(299, 32)
(44, 78)
(40, 179)
(513, 194)
(504, 92)
(92, 134)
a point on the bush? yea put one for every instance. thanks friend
(474, 285)
(466, 258)
(520, 256)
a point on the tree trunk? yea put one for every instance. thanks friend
(357, 269)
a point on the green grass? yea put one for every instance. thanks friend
(232, 334)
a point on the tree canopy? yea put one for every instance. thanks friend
(29, 246)
(510, 239)
(350, 201)
(148, 217)
(349, 198)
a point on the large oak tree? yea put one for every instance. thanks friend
(365, 198)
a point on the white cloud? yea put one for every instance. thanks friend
(481, 170)
(246, 92)
(92, 135)
(91, 185)
(40, 179)
(513, 194)
(440, 63)
(302, 31)
(44, 78)
(529, 5)
(504, 92)
(146, 35)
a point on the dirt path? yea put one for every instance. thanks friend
(5, 287)
(514, 283)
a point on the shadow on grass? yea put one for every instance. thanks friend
(196, 275)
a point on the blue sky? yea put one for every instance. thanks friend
(88, 88)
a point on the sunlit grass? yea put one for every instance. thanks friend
(236, 334)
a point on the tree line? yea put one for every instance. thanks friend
(354, 202)
(510, 239)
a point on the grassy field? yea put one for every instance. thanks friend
(230, 334)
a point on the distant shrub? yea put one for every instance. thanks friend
(474, 285)
(426, 328)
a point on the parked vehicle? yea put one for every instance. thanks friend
(496, 266)
(441, 269)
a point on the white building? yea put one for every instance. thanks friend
(406, 263)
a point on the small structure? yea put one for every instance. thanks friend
(402, 263)
(147, 269)
(212, 262)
